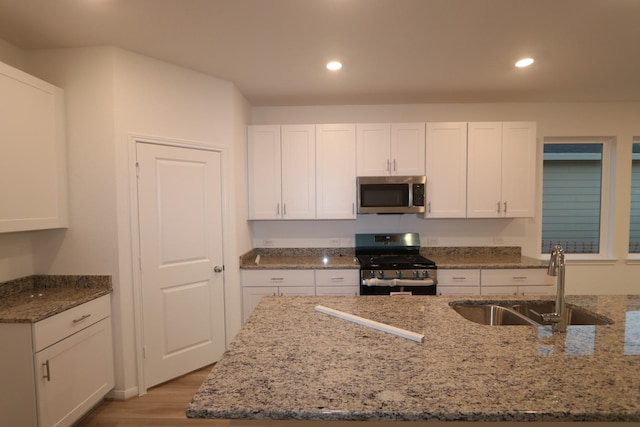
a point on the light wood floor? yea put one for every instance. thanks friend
(163, 405)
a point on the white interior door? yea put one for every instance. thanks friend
(180, 223)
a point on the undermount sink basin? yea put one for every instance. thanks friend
(490, 314)
(575, 315)
(527, 313)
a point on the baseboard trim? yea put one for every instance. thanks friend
(122, 394)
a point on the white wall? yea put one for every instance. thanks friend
(112, 95)
(619, 120)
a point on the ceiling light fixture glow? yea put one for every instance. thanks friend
(334, 66)
(524, 62)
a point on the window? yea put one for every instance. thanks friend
(572, 208)
(634, 232)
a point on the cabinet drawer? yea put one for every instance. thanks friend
(514, 276)
(278, 278)
(337, 277)
(60, 326)
(460, 277)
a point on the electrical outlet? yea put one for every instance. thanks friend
(498, 240)
(334, 242)
(432, 241)
(267, 243)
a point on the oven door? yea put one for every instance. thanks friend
(406, 287)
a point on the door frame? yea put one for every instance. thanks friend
(135, 236)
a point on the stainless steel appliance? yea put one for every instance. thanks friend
(391, 194)
(391, 264)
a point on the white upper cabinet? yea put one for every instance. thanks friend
(281, 169)
(501, 169)
(32, 153)
(446, 170)
(336, 171)
(390, 149)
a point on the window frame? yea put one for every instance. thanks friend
(632, 256)
(607, 194)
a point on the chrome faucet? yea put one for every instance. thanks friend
(556, 268)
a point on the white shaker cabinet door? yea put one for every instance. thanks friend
(32, 153)
(518, 169)
(264, 172)
(484, 170)
(373, 149)
(298, 172)
(446, 169)
(407, 149)
(336, 171)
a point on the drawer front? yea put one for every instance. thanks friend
(461, 277)
(337, 277)
(278, 278)
(56, 328)
(514, 276)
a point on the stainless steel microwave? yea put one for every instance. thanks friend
(391, 194)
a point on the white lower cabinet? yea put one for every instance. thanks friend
(337, 282)
(259, 283)
(458, 282)
(516, 281)
(69, 358)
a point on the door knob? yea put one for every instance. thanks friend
(218, 269)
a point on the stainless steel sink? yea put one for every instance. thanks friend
(575, 315)
(528, 313)
(490, 314)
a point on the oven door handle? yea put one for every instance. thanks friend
(397, 282)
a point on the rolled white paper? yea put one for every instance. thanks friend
(371, 323)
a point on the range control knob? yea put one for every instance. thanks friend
(380, 274)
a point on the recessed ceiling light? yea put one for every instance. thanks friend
(334, 65)
(524, 62)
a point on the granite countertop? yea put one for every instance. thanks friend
(344, 258)
(292, 362)
(34, 298)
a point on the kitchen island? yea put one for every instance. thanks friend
(290, 362)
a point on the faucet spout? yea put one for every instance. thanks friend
(556, 268)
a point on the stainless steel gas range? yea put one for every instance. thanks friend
(391, 264)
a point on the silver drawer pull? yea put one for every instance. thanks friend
(519, 277)
(459, 278)
(277, 278)
(80, 319)
(47, 374)
(336, 279)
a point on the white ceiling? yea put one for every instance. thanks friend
(394, 51)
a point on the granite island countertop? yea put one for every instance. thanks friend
(292, 362)
(32, 299)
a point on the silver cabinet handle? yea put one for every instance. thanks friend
(80, 319)
(498, 207)
(395, 166)
(505, 207)
(388, 165)
(47, 371)
(429, 207)
(278, 209)
(284, 209)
